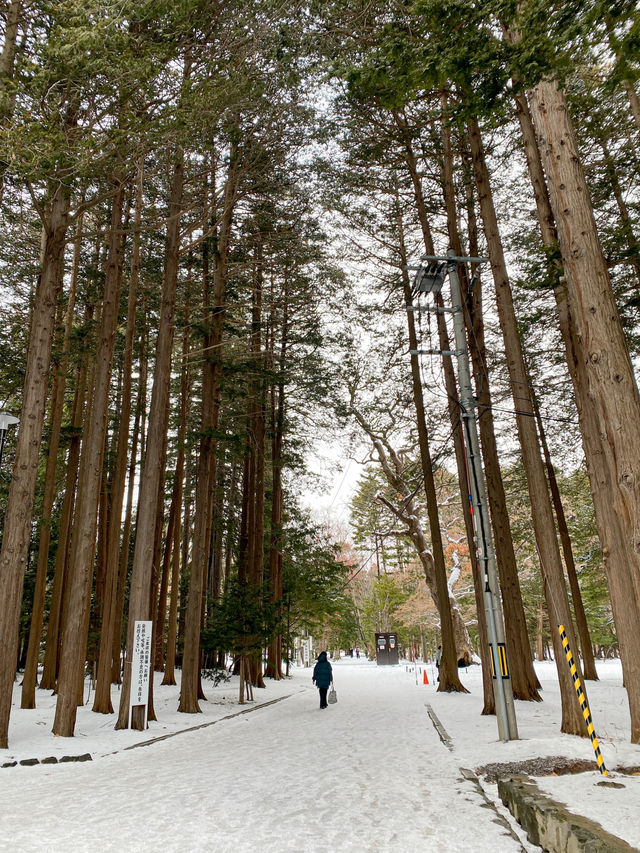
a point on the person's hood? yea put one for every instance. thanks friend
(322, 656)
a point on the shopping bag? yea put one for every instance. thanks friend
(332, 698)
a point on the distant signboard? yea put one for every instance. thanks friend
(140, 667)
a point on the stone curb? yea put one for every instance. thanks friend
(31, 762)
(442, 733)
(470, 776)
(498, 818)
(206, 725)
(550, 825)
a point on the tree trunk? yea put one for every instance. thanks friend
(524, 681)
(206, 463)
(29, 681)
(187, 536)
(451, 651)
(161, 610)
(629, 87)
(7, 65)
(274, 656)
(542, 513)
(540, 625)
(625, 219)
(155, 579)
(392, 469)
(172, 621)
(52, 646)
(190, 686)
(178, 485)
(243, 537)
(229, 547)
(123, 556)
(19, 511)
(449, 680)
(549, 239)
(97, 599)
(634, 102)
(139, 593)
(274, 664)
(81, 560)
(217, 539)
(450, 381)
(7, 57)
(588, 662)
(102, 699)
(609, 527)
(257, 438)
(604, 363)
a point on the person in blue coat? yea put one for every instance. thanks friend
(323, 677)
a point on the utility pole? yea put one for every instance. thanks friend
(430, 278)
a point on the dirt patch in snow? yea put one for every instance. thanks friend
(550, 765)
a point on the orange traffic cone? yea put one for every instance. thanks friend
(425, 680)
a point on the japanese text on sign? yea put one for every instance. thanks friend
(140, 663)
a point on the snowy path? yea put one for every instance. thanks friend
(368, 774)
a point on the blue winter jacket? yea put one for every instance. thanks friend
(322, 672)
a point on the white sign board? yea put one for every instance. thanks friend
(141, 666)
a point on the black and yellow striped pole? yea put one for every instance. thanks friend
(582, 699)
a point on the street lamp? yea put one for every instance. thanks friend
(429, 279)
(6, 420)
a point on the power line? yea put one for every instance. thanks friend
(344, 477)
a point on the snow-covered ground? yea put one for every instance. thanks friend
(367, 774)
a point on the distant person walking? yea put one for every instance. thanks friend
(438, 660)
(323, 677)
